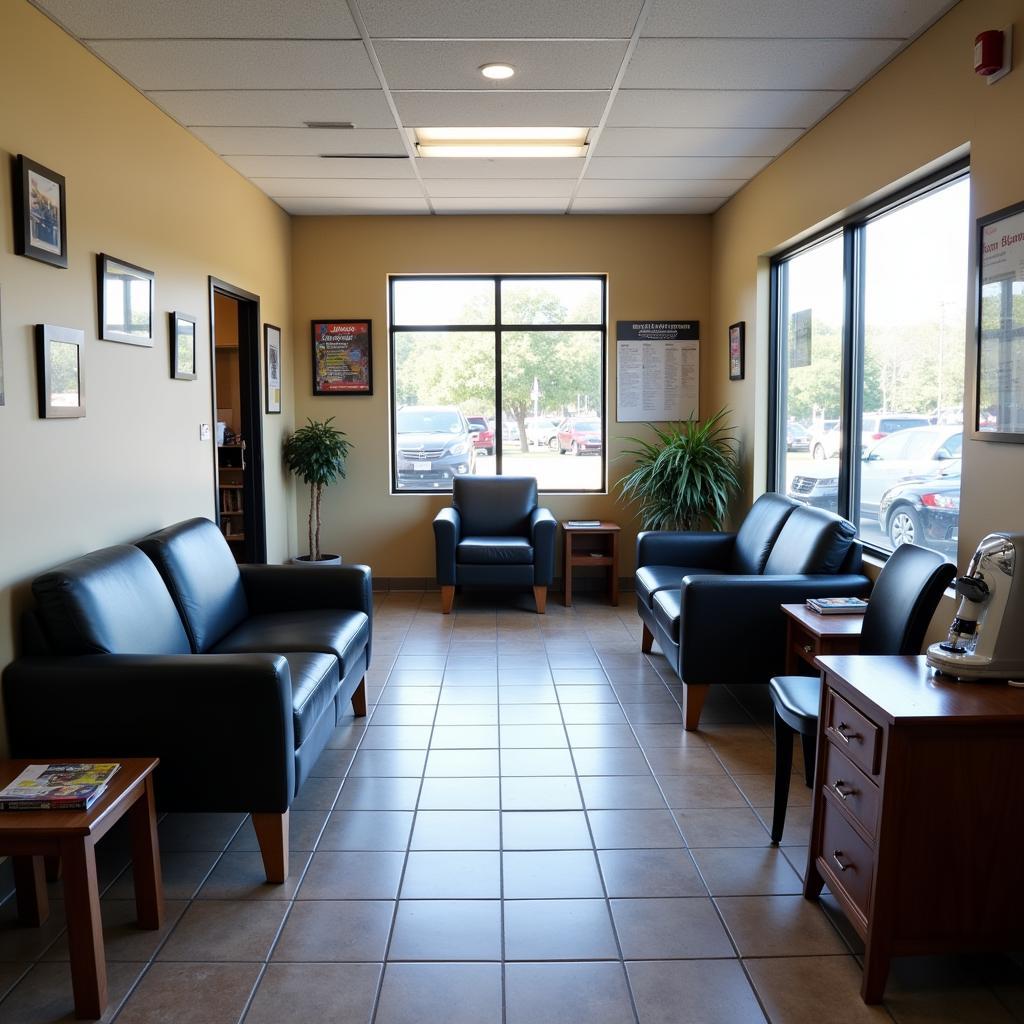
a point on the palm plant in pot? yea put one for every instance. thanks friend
(684, 479)
(317, 453)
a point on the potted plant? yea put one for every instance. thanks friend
(685, 478)
(317, 453)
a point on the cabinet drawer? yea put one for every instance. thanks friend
(856, 736)
(859, 795)
(849, 860)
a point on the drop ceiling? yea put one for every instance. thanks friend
(685, 100)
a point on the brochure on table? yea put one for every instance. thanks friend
(658, 370)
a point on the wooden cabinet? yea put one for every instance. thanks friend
(231, 468)
(918, 810)
(590, 546)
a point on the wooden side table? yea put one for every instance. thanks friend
(809, 634)
(591, 545)
(29, 836)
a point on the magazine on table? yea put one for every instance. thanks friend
(837, 605)
(53, 787)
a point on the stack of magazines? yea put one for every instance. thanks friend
(57, 787)
(837, 605)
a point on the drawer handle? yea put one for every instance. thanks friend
(836, 856)
(844, 793)
(845, 735)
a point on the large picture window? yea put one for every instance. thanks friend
(869, 329)
(498, 375)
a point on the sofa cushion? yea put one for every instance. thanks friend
(327, 631)
(812, 541)
(314, 684)
(652, 578)
(759, 531)
(201, 573)
(111, 601)
(667, 604)
(495, 506)
(494, 551)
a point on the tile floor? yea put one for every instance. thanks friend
(520, 832)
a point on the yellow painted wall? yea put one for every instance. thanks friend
(142, 189)
(657, 269)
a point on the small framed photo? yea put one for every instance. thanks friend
(59, 370)
(125, 301)
(342, 357)
(183, 346)
(737, 343)
(272, 366)
(40, 213)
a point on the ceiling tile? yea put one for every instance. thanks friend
(794, 18)
(239, 63)
(353, 207)
(468, 188)
(660, 188)
(339, 188)
(276, 108)
(501, 109)
(705, 108)
(509, 167)
(633, 206)
(454, 64)
(500, 205)
(301, 141)
(497, 19)
(196, 19)
(755, 64)
(695, 141)
(675, 166)
(315, 167)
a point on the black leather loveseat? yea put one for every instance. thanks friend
(712, 600)
(234, 676)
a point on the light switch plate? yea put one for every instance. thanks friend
(204, 432)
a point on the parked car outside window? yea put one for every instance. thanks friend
(924, 511)
(542, 431)
(483, 435)
(434, 444)
(798, 438)
(580, 437)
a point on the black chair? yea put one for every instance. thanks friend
(903, 601)
(495, 535)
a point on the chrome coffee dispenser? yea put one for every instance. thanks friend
(986, 639)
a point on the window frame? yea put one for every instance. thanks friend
(497, 329)
(852, 229)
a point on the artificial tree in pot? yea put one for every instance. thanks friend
(685, 478)
(317, 453)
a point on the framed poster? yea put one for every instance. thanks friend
(59, 372)
(999, 384)
(183, 346)
(272, 366)
(125, 301)
(40, 213)
(657, 370)
(342, 357)
(737, 341)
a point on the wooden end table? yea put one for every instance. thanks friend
(809, 634)
(591, 545)
(30, 836)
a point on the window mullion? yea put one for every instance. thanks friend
(499, 412)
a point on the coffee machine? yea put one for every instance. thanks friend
(986, 639)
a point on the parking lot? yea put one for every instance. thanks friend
(554, 472)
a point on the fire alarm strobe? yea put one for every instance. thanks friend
(992, 54)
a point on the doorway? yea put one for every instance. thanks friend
(238, 437)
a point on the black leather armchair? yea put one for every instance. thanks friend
(494, 534)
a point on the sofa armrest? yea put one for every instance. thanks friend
(708, 550)
(543, 527)
(221, 724)
(447, 529)
(732, 628)
(281, 588)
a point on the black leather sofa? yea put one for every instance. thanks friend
(234, 676)
(712, 600)
(494, 534)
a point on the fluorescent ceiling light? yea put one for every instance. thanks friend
(491, 143)
(497, 70)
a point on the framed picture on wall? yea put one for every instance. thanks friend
(272, 366)
(59, 371)
(342, 357)
(40, 213)
(125, 301)
(737, 343)
(183, 346)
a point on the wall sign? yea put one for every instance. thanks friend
(658, 370)
(342, 357)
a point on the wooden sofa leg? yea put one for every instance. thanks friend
(693, 703)
(359, 699)
(447, 599)
(272, 835)
(647, 640)
(540, 595)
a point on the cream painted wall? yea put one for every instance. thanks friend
(657, 269)
(141, 188)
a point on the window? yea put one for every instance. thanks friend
(498, 375)
(869, 327)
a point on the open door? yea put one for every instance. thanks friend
(238, 460)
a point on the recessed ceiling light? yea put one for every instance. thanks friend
(497, 70)
(491, 143)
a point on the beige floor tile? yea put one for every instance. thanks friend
(428, 993)
(315, 994)
(193, 993)
(335, 931)
(704, 992)
(225, 930)
(739, 871)
(779, 926)
(568, 993)
(670, 929)
(722, 827)
(45, 995)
